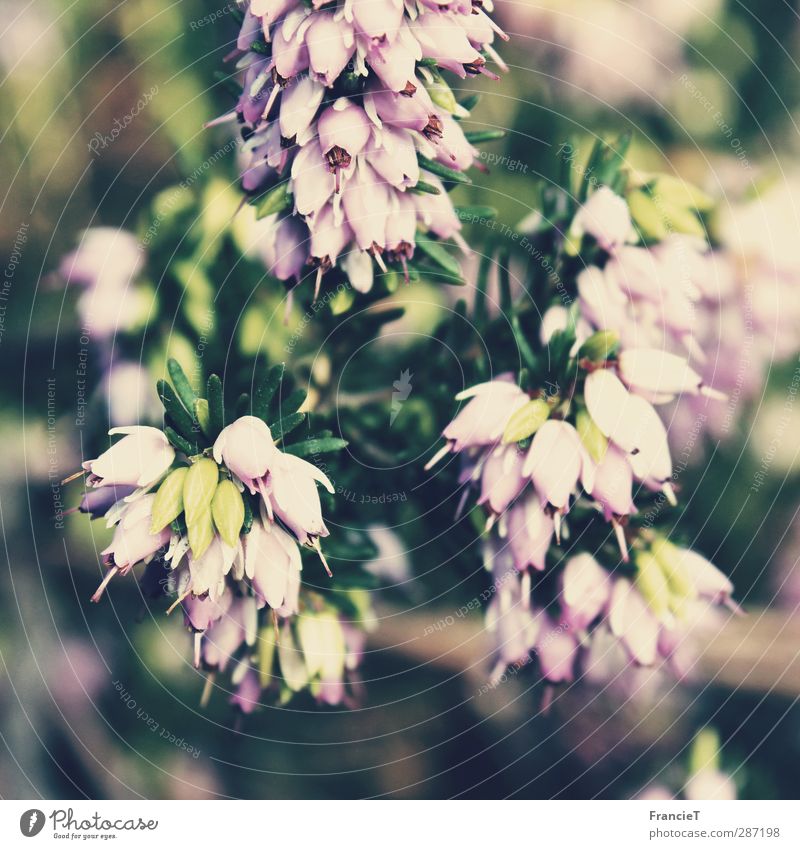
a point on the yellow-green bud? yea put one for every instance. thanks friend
(168, 503)
(600, 346)
(200, 529)
(227, 510)
(199, 487)
(593, 439)
(527, 420)
(652, 583)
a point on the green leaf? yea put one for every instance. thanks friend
(199, 487)
(316, 446)
(443, 171)
(476, 214)
(202, 416)
(265, 389)
(470, 102)
(227, 510)
(247, 524)
(181, 384)
(286, 425)
(274, 201)
(242, 407)
(184, 424)
(200, 530)
(168, 503)
(293, 402)
(526, 420)
(177, 441)
(423, 188)
(479, 136)
(440, 255)
(216, 406)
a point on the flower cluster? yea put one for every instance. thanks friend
(342, 106)
(548, 465)
(221, 528)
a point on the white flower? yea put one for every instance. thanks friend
(247, 449)
(139, 459)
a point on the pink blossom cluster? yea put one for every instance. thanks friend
(597, 445)
(603, 618)
(240, 571)
(338, 105)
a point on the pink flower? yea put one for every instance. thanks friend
(247, 449)
(272, 561)
(224, 637)
(483, 420)
(613, 483)
(291, 492)
(201, 613)
(660, 375)
(556, 461)
(209, 570)
(632, 621)
(605, 217)
(132, 540)
(247, 696)
(139, 459)
(556, 649)
(585, 590)
(530, 531)
(502, 479)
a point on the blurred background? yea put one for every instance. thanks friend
(105, 104)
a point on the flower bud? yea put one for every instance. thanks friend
(526, 420)
(227, 510)
(168, 503)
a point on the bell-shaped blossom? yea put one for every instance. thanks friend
(201, 612)
(247, 695)
(502, 479)
(273, 563)
(132, 541)
(585, 591)
(556, 461)
(556, 649)
(632, 622)
(139, 459)
(291, 493)
(225, 636)
(530, 532)
(605, 216)
(209, 570)
(483, 419)
(247, 448)
(613, 483)
(660, 375)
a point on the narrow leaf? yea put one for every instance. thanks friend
(443, 171)
(316, 446)
(216, 406)
(181, 418)
(440, 255)
(479, 136)
(265, 390)
(286, 425)
(181, 384)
